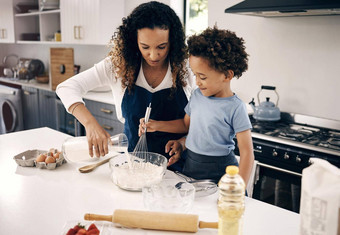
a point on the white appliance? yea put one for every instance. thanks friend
(11, 116)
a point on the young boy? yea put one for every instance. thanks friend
(214, 114)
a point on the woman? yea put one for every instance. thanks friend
(147, 64)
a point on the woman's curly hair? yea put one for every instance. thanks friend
(222, 48)
(125, 55)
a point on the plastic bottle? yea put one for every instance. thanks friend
(231, 202)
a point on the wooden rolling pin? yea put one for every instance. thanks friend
(154, 220)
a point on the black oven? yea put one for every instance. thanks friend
(281, 159)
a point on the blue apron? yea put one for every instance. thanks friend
(200, 166)
(163, 108)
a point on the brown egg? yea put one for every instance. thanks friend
(41, 158)
(56, 156)
(50, 159)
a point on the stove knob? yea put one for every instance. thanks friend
(286, 156)
(274, 153)
(298, 159)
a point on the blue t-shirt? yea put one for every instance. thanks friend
(214, 123)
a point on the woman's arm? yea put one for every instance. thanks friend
(245, 146)
(71, 92)
(73, 89)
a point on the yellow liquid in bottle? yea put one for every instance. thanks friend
(230, 221)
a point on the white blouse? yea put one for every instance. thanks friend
(73, 89)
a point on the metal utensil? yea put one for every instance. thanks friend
(141, 148)
(203, 187)
(89, 168)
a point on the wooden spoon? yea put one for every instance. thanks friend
(89, 168)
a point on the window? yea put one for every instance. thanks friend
(195, 16)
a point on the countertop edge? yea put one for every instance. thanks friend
(104, 97)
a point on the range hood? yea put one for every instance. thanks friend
(279, 8)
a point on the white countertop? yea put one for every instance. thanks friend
(104, 97)
(39, 201)
(30, 83)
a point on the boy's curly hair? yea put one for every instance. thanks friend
(125, 55)
(222, 48)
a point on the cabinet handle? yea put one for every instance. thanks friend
(27, 93)
(3, 33)
(106, 127)
(74, 32)
(48, 96)
(79, 35)
(106, 110)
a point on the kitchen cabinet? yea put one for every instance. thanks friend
(106, 116)
(65, 121)
(30, 106)
(48, 109)
(90, 21)
(39, 108)
(6, 22)
(36, 25)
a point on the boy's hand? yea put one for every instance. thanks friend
(175, 147)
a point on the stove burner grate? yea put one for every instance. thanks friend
(334, 141)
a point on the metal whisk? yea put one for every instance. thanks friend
(141, 149)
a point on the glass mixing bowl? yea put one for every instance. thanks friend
(133, 172)
(170, 195)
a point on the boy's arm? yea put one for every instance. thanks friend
(245, 146)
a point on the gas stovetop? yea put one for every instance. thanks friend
(295, 130)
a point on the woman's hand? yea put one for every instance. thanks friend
(97, 139)
(150, 126)
(175, 147)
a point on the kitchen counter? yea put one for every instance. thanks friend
(40, 201)
(30, 83)
(104, 97)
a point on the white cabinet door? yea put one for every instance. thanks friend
(90, 21)
(6, 22)
(69, 20)
(110, 17)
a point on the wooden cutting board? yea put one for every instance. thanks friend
(61, 65)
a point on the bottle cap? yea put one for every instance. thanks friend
(232, 170)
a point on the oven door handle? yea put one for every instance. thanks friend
(279, 169)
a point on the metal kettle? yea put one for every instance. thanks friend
(266, 110)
